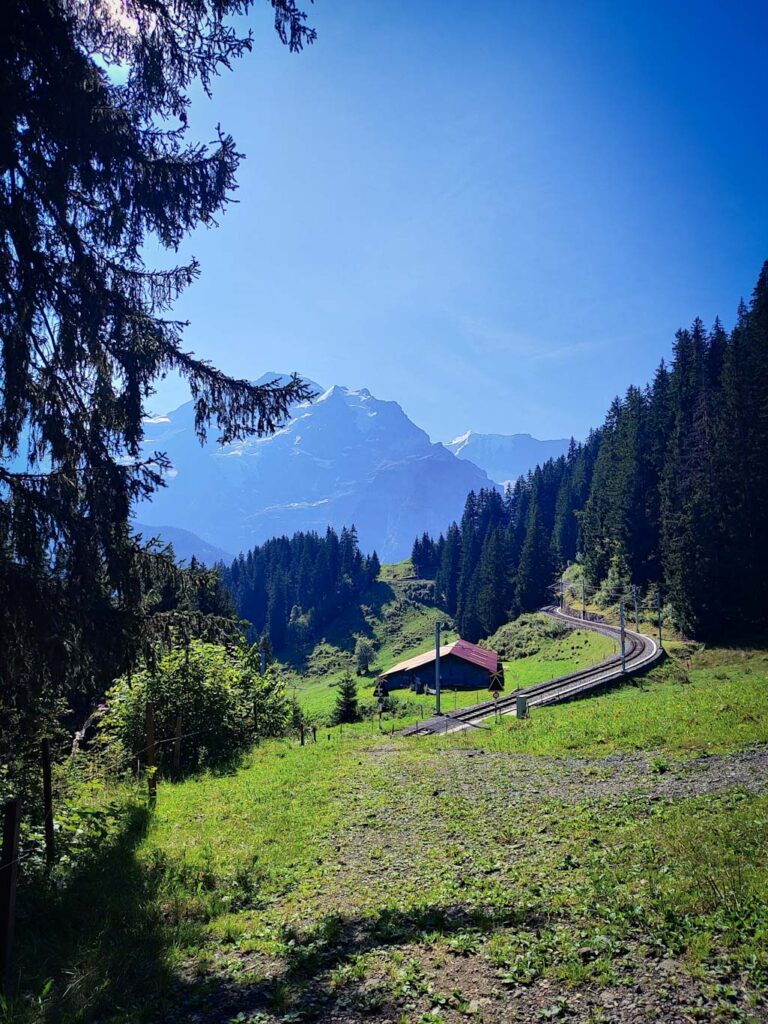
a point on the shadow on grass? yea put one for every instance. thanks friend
(317, 979)
(104, 940)
(95, 942)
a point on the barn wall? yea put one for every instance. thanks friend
(454, 673)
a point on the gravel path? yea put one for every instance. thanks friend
(574, 779)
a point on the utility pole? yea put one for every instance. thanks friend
(151, 763)
(623, 637)
(658, 613)
(562, 590)
(437, 668)
(583, 599)
(637, 613)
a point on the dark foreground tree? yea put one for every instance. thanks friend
(94, 162)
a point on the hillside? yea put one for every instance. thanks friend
(586, 865)
(398, 616)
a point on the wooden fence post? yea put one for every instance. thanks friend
(9, 870)
(177, 749)
(301, 734)
(151, 773)
(50, 852)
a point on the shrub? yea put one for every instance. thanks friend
(364, 655)
(215, 695)
(525, 636)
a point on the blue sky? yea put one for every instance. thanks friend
(496, 213)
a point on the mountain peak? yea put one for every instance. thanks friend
(505, 457)
(346, 457)
(460, 440)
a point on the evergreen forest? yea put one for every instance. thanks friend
(669, 496)
(290, 588)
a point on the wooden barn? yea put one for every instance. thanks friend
(463, 666)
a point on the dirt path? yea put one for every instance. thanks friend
(570, 779)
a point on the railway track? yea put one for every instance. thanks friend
(641, 652)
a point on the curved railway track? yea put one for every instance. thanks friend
(641, 652)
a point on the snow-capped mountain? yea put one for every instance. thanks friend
(505, 457)
(346, 457)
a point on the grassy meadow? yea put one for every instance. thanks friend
(509, 873)
(713, 702)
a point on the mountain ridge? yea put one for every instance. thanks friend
(505, 457)
(344, 458)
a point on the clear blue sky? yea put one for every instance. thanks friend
(496, 213)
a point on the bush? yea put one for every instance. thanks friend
(364, 655)
(217, 696)
(525, 636)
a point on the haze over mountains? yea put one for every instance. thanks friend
(505, 457)
(347, 457)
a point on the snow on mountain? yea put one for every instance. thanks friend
(505, 457)
(345, 457)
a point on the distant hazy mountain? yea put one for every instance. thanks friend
(345, 458)
(185, 544)
(505, 456)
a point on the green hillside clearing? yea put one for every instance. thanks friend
(400, 621)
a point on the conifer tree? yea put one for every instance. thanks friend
(346, 709)
(689, 528)
(492, 602)
(535, 569)
(93, 165)
(447, 581)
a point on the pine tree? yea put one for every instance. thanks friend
(493, 583)
(689, 529)
(447, 579)
(535, 569)
(93, 166)
(346, 709)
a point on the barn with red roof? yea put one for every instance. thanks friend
(463, 666)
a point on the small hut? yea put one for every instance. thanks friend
(463, 666)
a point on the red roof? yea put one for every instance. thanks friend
(463, 649)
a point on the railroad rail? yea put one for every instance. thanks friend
(641, 652)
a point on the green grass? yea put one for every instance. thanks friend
(406, 879)
(402, 631)
(395, 571)
(574, 650)
(718, 705)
